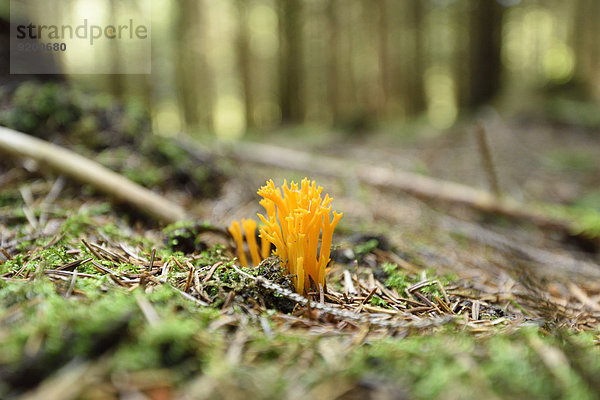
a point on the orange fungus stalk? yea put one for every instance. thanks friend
(247, 228)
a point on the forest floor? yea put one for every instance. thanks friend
(424, 299)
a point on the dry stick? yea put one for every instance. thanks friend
(486, 158)
(152, 260)
(344, 314)
(392, 179)
(90, 172)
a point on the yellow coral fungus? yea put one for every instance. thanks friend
(236, 232)
(248, 229)
(296, 219)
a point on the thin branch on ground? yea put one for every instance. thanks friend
(86, 171)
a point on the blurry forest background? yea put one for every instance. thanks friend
(231, 66)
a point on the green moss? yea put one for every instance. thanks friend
(571, 161)
(43, 109)
(181, 234)
(170, 343)
(459, 366)
(87, 327)
(10, 198)
(76, 224)
(12, 265)
(212, 256)
(573, 111)
(378, 301)
(112, 231)
(396, 278)
(584, 220)
(147, 175)
(363, 249)
(400, 280)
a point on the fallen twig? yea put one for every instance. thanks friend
(86, 171)
(344, 314)
(395, 180)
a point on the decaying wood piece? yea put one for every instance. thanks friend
(86, 171)
(393, 179)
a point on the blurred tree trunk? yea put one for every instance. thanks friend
(146, 90)
(333, 71)
(291, 61)
(383, 51)
(204, 79)
(483, 64)
(115, 79)
(244, 61)
(415, 91)
(586, 31)
(595, 50)
(186, 16)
